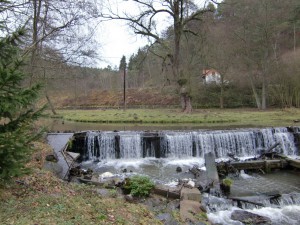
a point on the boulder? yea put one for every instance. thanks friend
(192, 194)
(249, 218)
(105, 175)
(51, 158)
(178, 169)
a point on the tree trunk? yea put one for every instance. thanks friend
(222, 97)
(188, 103)
(50, 103)
(182, 102)
(37, 4)
(294, 37)
(222, 92)
(46, 94)
(257, 99)
(264, 94)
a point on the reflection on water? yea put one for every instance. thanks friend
(59, 125)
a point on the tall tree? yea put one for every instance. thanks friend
(180, 12)
(123, 64)
(16, 113)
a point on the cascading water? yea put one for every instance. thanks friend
(157, 154)
(128, 145)
(274, 195)
(282, 211)
(178, 144)
(100, 145)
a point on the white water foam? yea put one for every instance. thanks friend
(287, 215)
(175, 144)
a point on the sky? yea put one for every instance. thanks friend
(117, 39)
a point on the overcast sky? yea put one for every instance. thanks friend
(118, 40)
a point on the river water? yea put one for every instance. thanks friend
(283, 211)
(59, 125)
(185, 148)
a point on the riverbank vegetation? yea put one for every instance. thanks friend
(210, 117)
(234, 54)
(250, 48)
(42, 198)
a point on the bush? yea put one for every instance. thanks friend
(227, 182)
(139, 186)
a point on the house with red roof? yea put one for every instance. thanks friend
(211, 76)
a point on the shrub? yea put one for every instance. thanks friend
(227, 182)
(139, 186)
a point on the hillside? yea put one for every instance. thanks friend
(94, 99)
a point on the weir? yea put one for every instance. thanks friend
(105, 145)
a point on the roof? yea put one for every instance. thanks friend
(207, 72)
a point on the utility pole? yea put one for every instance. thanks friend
(124, 88)
(122, 67)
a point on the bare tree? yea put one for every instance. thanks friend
(180, 13)
(61, 31)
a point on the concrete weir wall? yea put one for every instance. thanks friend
(151, 145)
(98, 145)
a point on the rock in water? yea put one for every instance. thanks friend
(191, 184)
(211, 168)
(178, 169)
(51, 158)
(249, 218)
(105, 175)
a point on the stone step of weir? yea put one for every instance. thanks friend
(192, 194)
(190, 206)
(294, 162)
(188, 210)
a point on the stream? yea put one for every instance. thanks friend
(158, 154)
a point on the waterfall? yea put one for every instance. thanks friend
(178, 144)
(130, 145)
(184, 144)
(244, 142)
(241, 143)
(100, 145)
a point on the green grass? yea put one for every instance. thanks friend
(50, 201)
(214, 117)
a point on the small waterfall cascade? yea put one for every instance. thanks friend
(100, 140)
(99, 145)
(284, 211)
(244, 142)
(130, 145)
(217, 204)
(178, 144)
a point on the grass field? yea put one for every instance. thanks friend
(235, 117)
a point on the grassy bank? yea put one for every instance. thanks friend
(41, 198)
(236, 117)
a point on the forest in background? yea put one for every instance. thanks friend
(253, 44)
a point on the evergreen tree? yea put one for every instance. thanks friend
(16, 111)
(123, 63)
